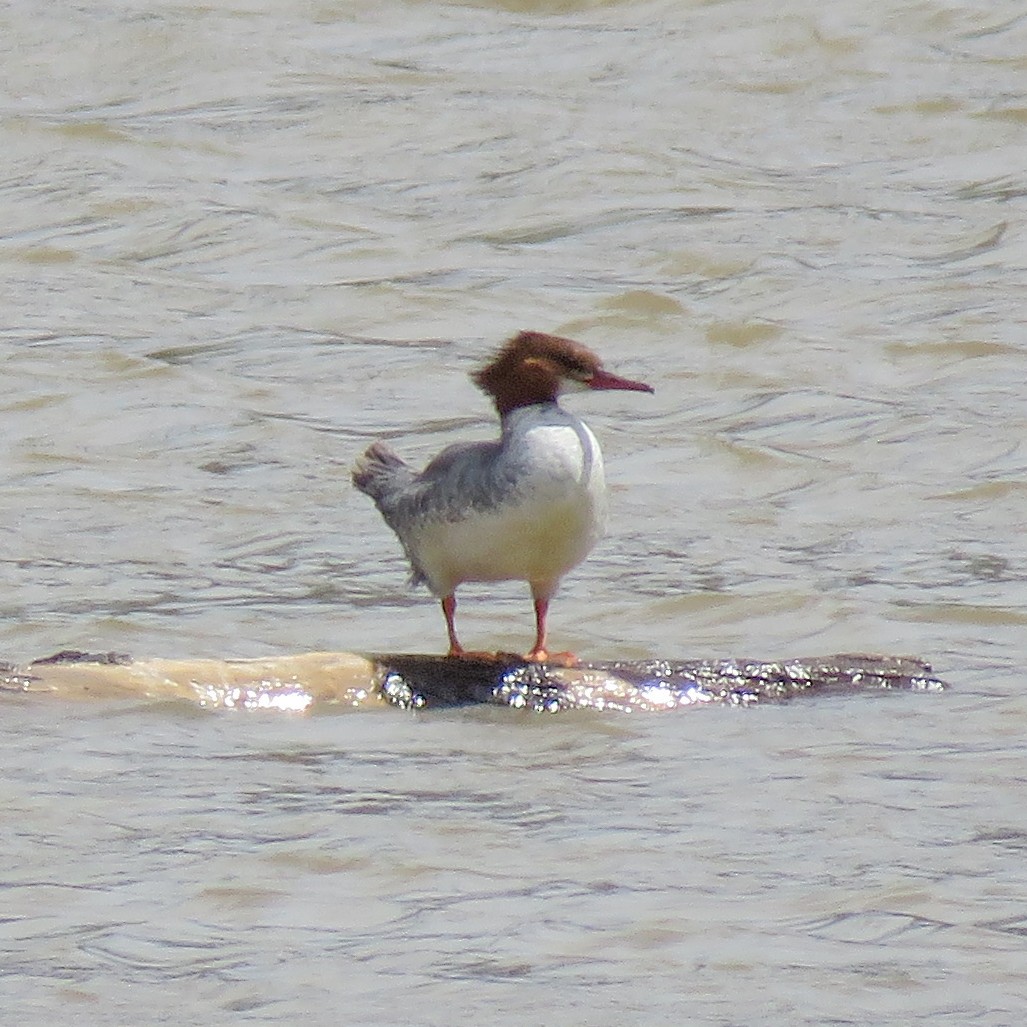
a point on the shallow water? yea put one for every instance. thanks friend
(240, 243)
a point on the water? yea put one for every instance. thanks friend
(240, 243)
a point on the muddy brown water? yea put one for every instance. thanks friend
(240, 243)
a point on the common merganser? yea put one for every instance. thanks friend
(527, 507)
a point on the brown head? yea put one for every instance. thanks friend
(533, 367)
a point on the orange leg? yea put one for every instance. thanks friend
(539, 653)
(538, 650)
(449, 612)
(456, 650)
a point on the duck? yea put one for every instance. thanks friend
(528, 506)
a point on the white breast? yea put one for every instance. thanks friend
(543, 524)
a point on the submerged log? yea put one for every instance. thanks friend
(350, 680)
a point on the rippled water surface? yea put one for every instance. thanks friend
(240, 242)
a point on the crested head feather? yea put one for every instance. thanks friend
(534, 367)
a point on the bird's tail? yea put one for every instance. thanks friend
(380, 473)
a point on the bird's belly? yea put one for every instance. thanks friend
(528, 542)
